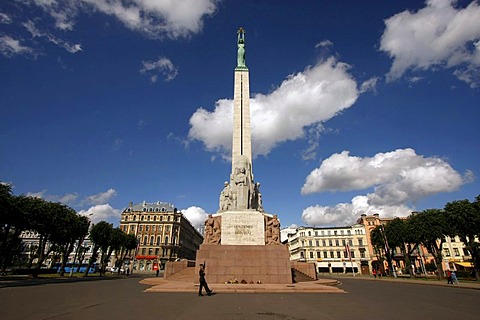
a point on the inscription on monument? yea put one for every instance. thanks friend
(243, 228)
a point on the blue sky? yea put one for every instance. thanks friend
(357, 106)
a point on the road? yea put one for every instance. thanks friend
(124, 298)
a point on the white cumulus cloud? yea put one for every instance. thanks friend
(440, 35)
(398, 178)
(10, 47)
(101, 212)
(67, 199)
(154, 18)
(195, 215)
(102, 197)
(303, 100)
(161, 65)
(344, 214)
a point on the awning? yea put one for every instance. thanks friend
(324, 264)
(465, 264)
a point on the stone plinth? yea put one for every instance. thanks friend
(243, 228)
(252, 263)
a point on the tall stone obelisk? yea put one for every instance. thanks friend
(242, 241)
(242, 141)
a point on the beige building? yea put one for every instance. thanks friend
(455, 255)
(333, 250)
(162, 232)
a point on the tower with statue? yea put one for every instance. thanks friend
(242, 240)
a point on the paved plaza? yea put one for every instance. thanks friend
(136, 298)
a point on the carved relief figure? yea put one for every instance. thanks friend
(225, 198)
(256, 201)
(242, 181)
(208, 229)
(217, 230)
(272, 230)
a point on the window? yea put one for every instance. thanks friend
(343, 242)
(311, 254)
(350, 242)
(168, 218)
(309, 233)
(161, 218)
(325, 254)
(144, 209)
(337, 243)
(446, 252)
(317, 243)
(456, 252)
(341, 232)
(323, 243)
(310, 243)
(141, 218)
(146, 228)
(158, 241)
(332, 254)
(335, 232)
(339, 255)
(352, 254)
(151, 240)
(166, 239)
(154, 218)
(316, 233)
(319, 254)
(153, 228)
(150, 209)
(140, 228)
(145, 240)
(330, 243)
(465, 252)
(362, 254)
(348, 232)
(323, 233)
(360, 242)
(345, 254)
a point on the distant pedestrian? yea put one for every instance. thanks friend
(454, 278)
(449, 277)
(374, 273)
(203, 282)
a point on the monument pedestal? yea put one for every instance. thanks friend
(252, 263)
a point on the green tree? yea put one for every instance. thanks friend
(42, 217)
(429, 228)
(12, 223)
(398, 234)
(75, 228)
(117, 240)
(100, 235)
(463, 218)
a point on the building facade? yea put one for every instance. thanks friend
(163, 234)
(333, 250)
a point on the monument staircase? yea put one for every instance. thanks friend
(301, 277)
(187, 274)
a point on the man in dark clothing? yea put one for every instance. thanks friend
(203, 282)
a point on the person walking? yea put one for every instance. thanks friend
(454, 278)
(203, 282)
(449, 277)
